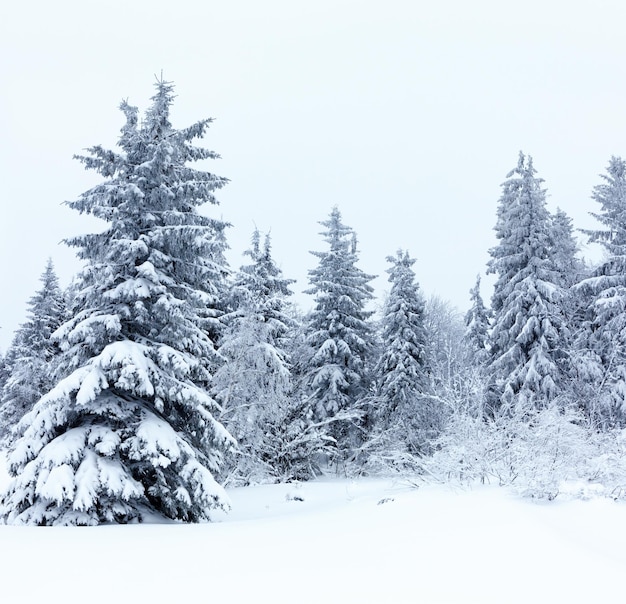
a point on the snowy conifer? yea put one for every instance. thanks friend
(130, 431)
(529, 331)
(477, 325)
(570, 271)
(339, 336)
(33, 353)
(254, 383)
(564, 250)
(603, 335)
(401, 369)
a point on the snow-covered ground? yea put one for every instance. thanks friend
(334, 541)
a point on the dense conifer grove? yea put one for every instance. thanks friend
(161, 374)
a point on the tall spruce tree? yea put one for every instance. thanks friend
(602, 337)
(339, 336)
(529, 333)
(130, 431)
(570, 269)
(33, 353)
(477, 325)
(254, 384)
(401, 370)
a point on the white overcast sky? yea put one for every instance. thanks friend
(406, 114)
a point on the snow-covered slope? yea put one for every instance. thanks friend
(334, 541)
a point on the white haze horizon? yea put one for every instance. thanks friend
(406, 117)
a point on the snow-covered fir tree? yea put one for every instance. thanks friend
(602, 338)
(529, 334)
(569, 267)
(304, 443)
(338, 335)
(31, 366)
(401, 371)
(477, 325)
(254, 384)
(131, 430)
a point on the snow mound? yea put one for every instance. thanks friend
(348, 541)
